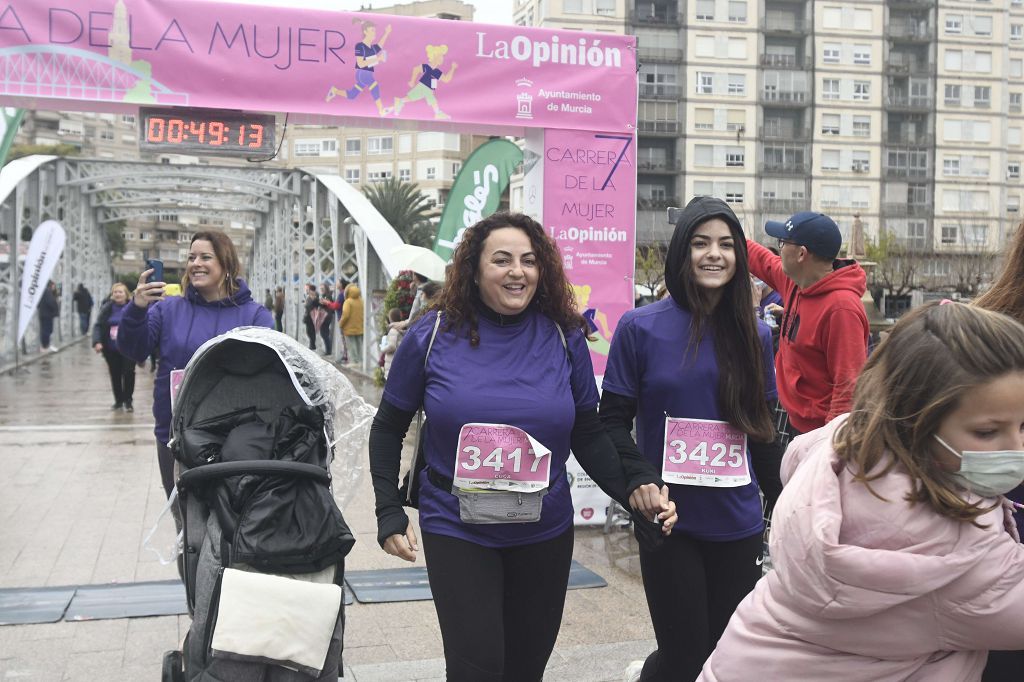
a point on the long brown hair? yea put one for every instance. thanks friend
(1007, 294)
(554, 296)
(908, 386)
(224, 249)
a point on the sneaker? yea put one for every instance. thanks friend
(53, 349)
(128, 407)
(633, 671)
(117, 406)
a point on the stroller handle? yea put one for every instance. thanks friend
(214, 472)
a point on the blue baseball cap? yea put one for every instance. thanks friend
(816, 231)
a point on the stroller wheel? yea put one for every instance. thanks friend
(172, 670)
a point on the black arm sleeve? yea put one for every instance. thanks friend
(386, 437)
(598, 456)
(617, 414)
(766, 460)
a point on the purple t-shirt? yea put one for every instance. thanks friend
(430, 76)
(365, 51)
(521, 375)
(649, 362)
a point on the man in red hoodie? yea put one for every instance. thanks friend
(823, 339)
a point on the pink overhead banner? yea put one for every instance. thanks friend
(217, 55)
(590, 210)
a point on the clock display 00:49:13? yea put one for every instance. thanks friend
(214, 133)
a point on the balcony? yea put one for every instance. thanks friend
(777, 133)
(906, 173)
(658, 127)
(649, 204)
(660, 91)
(909, 103)
(784, 168)
(773, 96)
(784, 25)
(660, 166)
(655, 16)
(784, 206)
(904, 210)
(908, 140)
(670, 55)
(899, 65)
(917, 32)
(785, 61)
(912, 4)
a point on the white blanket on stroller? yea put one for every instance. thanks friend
(276, 619)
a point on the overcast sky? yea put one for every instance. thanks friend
(487, 11)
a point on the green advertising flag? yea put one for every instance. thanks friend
(476, 192)
(9, 122)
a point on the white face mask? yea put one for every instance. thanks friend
(988, 473)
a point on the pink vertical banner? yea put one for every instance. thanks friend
(590, 210)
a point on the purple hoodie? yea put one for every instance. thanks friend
(179, 325)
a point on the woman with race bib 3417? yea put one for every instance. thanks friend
(696, 371)
(502, 371)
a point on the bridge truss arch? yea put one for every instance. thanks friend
(308, 229)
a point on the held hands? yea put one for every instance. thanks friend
(654, 504)
(147, 293)
(403, 546)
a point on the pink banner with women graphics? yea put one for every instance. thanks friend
(590, 210)
(209, 54)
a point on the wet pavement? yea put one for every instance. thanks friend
(80, 488)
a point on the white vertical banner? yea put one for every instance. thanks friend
(589, 503)
(43, 252)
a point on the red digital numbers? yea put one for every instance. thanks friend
(217, 136)
(156, 129)
(197, 132)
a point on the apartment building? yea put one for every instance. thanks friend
(903, 114)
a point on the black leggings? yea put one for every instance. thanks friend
(693, 587)
(122, 376)
(499, 609)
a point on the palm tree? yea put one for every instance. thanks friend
(404, 206)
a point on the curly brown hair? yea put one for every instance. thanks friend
(554, 297)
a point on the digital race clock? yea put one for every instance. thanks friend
(205, 131)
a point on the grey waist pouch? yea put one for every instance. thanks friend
(499, 506)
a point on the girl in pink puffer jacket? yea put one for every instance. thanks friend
(895, 553)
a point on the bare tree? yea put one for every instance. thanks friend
(898, 266)
(650, 266)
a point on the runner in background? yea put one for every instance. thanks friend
(104, 340)
(699, 364)
(503, 360)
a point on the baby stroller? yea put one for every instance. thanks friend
(264, 541)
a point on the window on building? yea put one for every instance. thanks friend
(431, 173)
(352, 175)
(405, 174)
(1013, 170)
(734, 192)
(832, 17)
(735, 119)
(954, 60)
(735, 157)
(1013, 203)
(862, 126)
(954, 23)
(107, 135)
(703, 119)
(738, 11)
(703, 155)
(1016, 68)
(1016, 31)
(353, 146)
(830, 124)
(860, 162)
(380, 145)
(861, 20)
(830, 53)
(829, 159)
(982, 96)
(976, 234)
(862, 54)
(983, 62)
(604, 8)
(705, 83)
(952, 95)
(951, 166)
(950, 234)
(830, 88)
(737, 84)
(378, 176)
(917, 233)
(307, 148)
(705, 10)
(703, 188)
(1013, 137)
(737, 48)
(456, 167)
(704, 46)
(1016, 99)
(128, 119)
(982, 25)
(862, 90)
(979, 166)
(572, 6)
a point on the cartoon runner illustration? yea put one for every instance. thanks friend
(599, 339)
(368, 55)
(428, 75)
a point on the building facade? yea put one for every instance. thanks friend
(903, 114)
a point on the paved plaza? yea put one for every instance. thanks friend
(79, 489)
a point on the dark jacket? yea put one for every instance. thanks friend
(48, 306)
(82, 300)
(179, 325)
(311, 304)
(101, 330)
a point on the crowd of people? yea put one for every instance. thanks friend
(895, 509)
